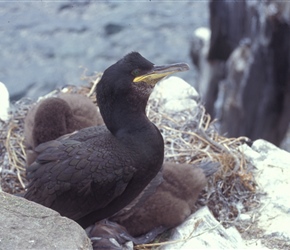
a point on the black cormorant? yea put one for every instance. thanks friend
(92, 174)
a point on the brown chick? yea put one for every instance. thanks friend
(173, 200)
(57, 116)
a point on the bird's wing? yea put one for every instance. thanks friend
(79, 174)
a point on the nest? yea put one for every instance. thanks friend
(190, 137)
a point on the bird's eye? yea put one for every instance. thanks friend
(136, 72)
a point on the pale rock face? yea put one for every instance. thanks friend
(202, 231)
(4, 102)
(175, 95)
(273, 178)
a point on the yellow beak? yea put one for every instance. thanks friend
(159, 72)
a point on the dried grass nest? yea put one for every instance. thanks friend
(189, 137)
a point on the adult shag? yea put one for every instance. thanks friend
(93, 173)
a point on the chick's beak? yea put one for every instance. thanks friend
(158, 72)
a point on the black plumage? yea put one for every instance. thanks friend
(93, 173)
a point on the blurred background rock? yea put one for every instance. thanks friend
(242, 61)
(49, 44)
(244, 68)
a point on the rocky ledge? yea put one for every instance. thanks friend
(26, 225)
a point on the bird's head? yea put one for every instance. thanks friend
(127, 84)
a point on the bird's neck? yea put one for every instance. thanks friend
(134, 129)
(125, 117)
(132, 124)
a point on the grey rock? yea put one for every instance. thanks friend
(45, 43)
(112, 29)
(210, 72)
(251, 40)
(27, 225)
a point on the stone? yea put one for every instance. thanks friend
(175, 95)
(44, 51)
(4, 102)
(272, 176)
(210, 72)
(244, 68)
(27, 225)
(202, 231)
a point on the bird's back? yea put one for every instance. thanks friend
(83, 172)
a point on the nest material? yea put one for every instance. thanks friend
(190, 137)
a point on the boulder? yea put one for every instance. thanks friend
(202, 231)
(175, 95)
(272, 176)
(27, 225)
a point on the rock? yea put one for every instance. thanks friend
(43, 50)
(210, 72)
(250, 96)
(200, 46)
(273, 171)
(27, 225)
(175, 95)
(229, 102)
(112, 28)
(4, 102)
(202, 231)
